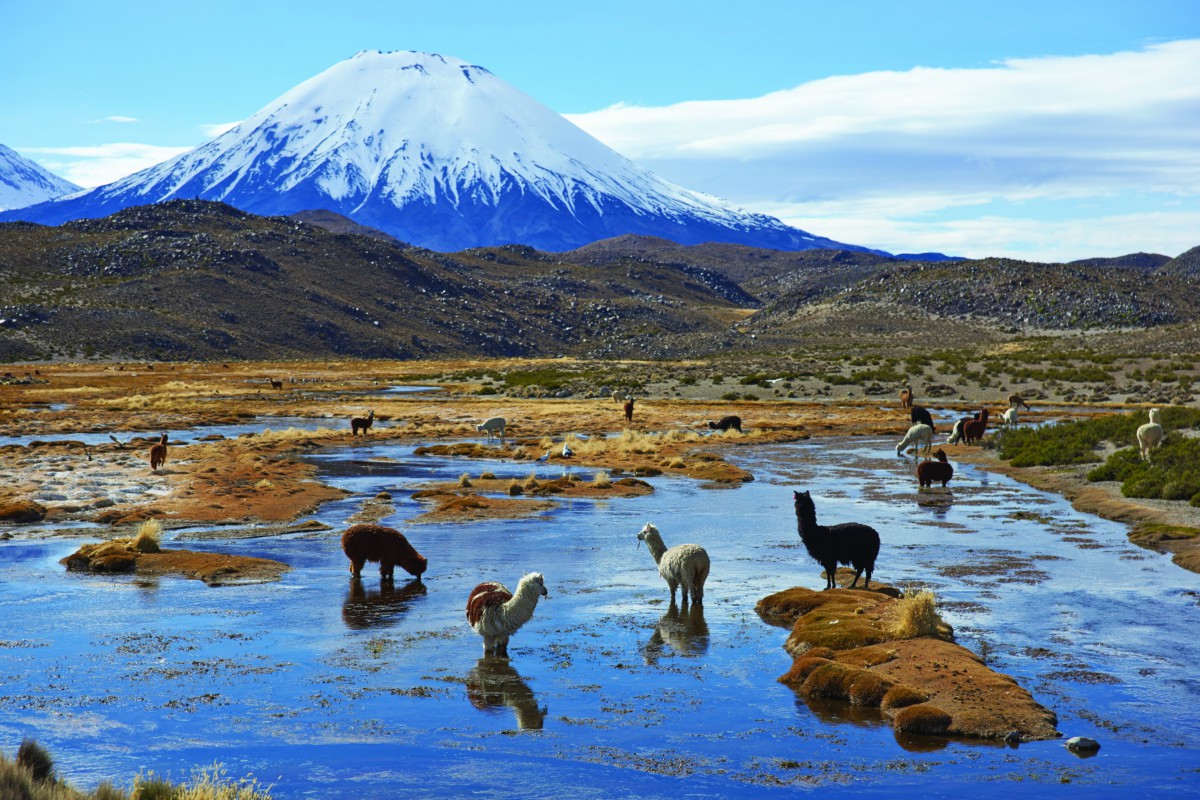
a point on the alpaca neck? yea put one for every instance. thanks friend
(806, 520)
(655, 544)
(520, 608)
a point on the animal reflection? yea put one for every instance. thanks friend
(684, 631)
(368, 608)
(494, 684)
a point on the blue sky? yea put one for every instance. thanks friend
(1042, 130)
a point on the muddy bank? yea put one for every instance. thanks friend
(1161, 525)
(853, 645)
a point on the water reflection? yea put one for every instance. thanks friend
(365, 608)
(684, 631)
(494, 684)
(937, 500)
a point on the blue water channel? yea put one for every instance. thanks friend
(324, 687)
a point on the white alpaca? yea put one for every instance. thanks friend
(1010, 417)
(495, 613)
(683, 565)
(917, 435)
(494, 425)
(1150, 435)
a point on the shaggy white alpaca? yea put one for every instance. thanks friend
(1010, 417)
(1150, 435)
(917, 435)
(495, 613)
(683, 565)
(494, 426)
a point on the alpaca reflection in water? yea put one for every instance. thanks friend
(368, 608)
(494, 684)
(684, 631)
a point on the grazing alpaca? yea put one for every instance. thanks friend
(848, 543)
(921, 415)
(1016, 401)
(1009, 417)
(917, 435)
(158, 453)
(493, 425)
(683, 565)
(930, 471)
(973, 430)
(363, 543)
(495, 613)
(725, 423)
(1150, 435)
(906, 397)
(362, 423)
(629, 410)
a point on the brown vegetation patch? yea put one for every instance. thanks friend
(452, 507)
(215, 569)
(855, 646)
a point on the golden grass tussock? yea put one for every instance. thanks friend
(265, 483)
(487, 475)
(291, 434)
(515, 488)
(148, 537)
(923, 718)
(915, 615)
(531, 482)
(601, 480)
(464, 481)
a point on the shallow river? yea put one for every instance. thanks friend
(326, 688)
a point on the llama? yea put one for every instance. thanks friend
(363, 543)
(1009, 417)
(493, 425)
(683, 565)
(725, 423)
(920, 415)
(956, 433)
(847, 543)
(917, 435)
(629, 410)
(275, 384)
(1150, 435)
(158, 453)
(495, 613)
(930, 471)
(973, 431)
(906, 397)
(362, 423)
(1016, 401)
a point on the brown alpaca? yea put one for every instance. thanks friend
(906, 397)
(158, 453)
(973, 430)
(362, 423)
(275, 384)
(930, 471)
(629, 410)
(363, 543)
(1016, 401)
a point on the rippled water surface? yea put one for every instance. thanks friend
(327, 687)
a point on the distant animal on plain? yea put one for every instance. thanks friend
(629, 410)
(930, 471)
(973, 431)
(496, 614)
(1016, 401)
(362, 423)
(851, 543)
(363, 543)
(1009, 417)
(919, 434)
(921, 415)
(493, 426)
(906, 397)
(275, 384)
(684, 565)
(158, 453)
(1150, 435)
(725, 423)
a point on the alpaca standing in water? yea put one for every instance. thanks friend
(495, 613)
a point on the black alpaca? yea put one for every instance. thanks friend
(920, 414)
(848, 543)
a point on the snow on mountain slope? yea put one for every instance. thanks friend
(436, 152)
(24, 182)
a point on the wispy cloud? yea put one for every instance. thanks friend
(115, 118)
(903, 154)
(101, 164)
(215, 129)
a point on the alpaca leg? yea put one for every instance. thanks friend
(386, 570)
(857, 574)
(356, 566)
(830, 575)
(502, 647)
(674, 585)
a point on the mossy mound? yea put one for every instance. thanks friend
(120, 555)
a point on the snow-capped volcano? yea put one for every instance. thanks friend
(24, 182)
(436, 152)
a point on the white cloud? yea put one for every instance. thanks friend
(101, 164)
(888, 152)
(214, 129)
(116, 118)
